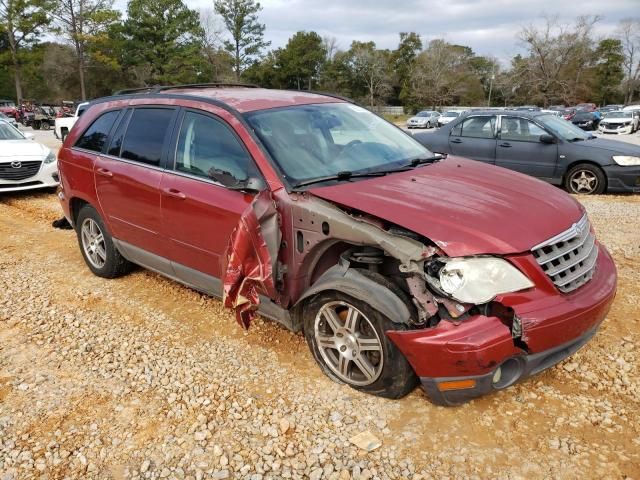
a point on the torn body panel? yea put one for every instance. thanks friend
(251, 259)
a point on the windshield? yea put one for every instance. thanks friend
(451, 114)
(314, 141)
(8, 132)
(583, 116)
(424, 114)
(563, 128)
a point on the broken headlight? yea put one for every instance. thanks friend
(480, 279)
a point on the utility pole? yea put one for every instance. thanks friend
(492, 78)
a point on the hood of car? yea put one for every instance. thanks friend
(465, 207)
(611, 146)
(616, 120)
(21, 148)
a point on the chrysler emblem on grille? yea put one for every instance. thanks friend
(16, 164)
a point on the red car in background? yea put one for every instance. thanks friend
(586, 107)
(8, 107)
(398, 265)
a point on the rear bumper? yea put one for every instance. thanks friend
(554, 326)
(622, 179)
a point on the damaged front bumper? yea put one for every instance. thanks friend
(458, 361)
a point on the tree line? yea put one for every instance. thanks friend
(52, 50)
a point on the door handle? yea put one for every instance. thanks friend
(456, 140)
(172, 192)
(505, 145)
(104, 172)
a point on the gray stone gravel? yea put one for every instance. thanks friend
(140, 378)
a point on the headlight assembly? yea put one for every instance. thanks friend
(626, 161)
(51, 157)
(480, 279)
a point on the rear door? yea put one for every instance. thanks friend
(519, 148)
(475, 138)
(200, 209)
(128, 177)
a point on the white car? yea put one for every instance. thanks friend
(619, 122)
(449, 116)
(424, 119)
(63, 125)
(24, 164)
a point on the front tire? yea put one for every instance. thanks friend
(347, 339)
(585, 179)
(428, 125)
(97, 247)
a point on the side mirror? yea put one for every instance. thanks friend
(546, 138)
(251, 184)
(28, 135)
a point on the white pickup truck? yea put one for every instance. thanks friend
(63, 124)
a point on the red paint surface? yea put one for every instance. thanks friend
(247, 270)
(249, 99)
(465, 207)
(477, 345)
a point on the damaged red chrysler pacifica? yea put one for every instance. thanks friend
(399, 265)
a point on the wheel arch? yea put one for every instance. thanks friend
(366, 287)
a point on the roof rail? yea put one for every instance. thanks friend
(159, 88)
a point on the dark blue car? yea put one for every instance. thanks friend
(541, 145)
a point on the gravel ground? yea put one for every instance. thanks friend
(140, 377)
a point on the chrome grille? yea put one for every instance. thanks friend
(569, 259)
(9, 170)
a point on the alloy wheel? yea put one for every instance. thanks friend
(93, 243)
(583, 181)
(348, 343)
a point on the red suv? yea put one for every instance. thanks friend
(398, 265)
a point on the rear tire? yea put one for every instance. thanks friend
(97, 247)
(36, 125)
(348, 341)
(45, 125)
(585, 179)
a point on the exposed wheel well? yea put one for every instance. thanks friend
(75, 205)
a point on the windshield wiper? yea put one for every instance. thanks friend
(420, 161)
(575, 139)
(344, 175)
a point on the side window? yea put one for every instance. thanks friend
(208, 148)
(476, 127)
(145, 135)
(96, 135)
(520, 130)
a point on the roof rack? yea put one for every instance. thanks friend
(159, 88)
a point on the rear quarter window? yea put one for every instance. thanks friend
(95, 137)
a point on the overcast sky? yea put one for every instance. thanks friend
(487, 26)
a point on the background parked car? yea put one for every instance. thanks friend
(586, 107)
(24, 164)
(543, 146)
(568, 113)
(11, 120)
(446, 117)
(586, 120)
(63, 125)
(8, 107)
(619, 122)
(424, 119)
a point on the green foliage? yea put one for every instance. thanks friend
(609, 71)
(240, 17)
(163, 42)
(301, 60)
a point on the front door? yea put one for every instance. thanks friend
(519, 148)
(199, 210)
(475, 138)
